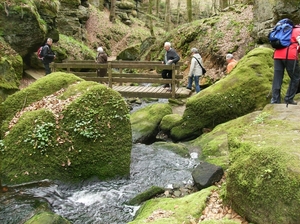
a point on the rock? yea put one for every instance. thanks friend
(47, 218)
(206, 174)
(146, 195)
(145, 122)
(64, 128)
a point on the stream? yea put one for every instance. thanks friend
(98, 201)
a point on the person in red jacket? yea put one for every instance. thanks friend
(287, 58)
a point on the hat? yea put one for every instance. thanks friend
(229, 56)
(100, 49)
(194, 50)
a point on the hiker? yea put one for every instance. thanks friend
(195, 70)
(287, 58)
(231, 63)
(101, 58)
(171, 57)
(48, 55)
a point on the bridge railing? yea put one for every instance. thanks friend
(116, 71)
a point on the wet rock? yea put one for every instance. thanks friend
(206, 174)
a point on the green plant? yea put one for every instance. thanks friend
(86, 129)
(41, 137)
(261, 118)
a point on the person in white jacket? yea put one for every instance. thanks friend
(195, 70)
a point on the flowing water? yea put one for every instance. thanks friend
(97, 201)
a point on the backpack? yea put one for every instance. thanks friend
(40, 52)
(280, 36)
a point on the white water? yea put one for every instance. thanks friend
(105, 202)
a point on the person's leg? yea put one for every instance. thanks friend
(164, 75)
(47, 68)
(190, 82)
(293, 71)
(197, 86)
(277, 80)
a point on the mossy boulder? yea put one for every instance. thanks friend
(260, 152)
(145, 122)
(245, 90)
(23, 18)
(175, 211)
(130, 53)
(47, 218)
(11, 70)
(64, 128)
(263, 177)
(146, 195)
(178, 148)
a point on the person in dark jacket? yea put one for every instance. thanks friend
(287, 58)
(171, 57)
(101, 58)
(48, 55)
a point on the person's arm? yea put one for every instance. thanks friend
(175, 56)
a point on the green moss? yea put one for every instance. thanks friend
(145, 121)
(175, 211)
(90, 137)
(47, 218)
(36, 91)
(146, 195)
(243, 91)
(177, 148)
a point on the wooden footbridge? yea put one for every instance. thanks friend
(124, 77)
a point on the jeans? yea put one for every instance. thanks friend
(47, 67)
(166, 74)
(190, 82)
(293, 71)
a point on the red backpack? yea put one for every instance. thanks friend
(40, 53)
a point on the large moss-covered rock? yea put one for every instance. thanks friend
(263, 179)
(260, 151)
(19, 20)
(175, 211)
(246, 89)
(11, 69)
(145, 122)
(47, 218)
(64, 129)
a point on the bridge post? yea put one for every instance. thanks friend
(173, 81)
(109, 75)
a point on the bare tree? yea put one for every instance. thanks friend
(223, 4)
(157, 3)
(189, 10)
(178, 11)
(150, 16)
(168, 16)
(112, 16)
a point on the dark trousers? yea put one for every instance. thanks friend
(166, 74)
(47, 67)
(293, 71)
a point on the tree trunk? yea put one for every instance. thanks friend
(112, 16)
(150, 17)
(178, 11)
(223, 4)
(157, 2)
(168, 16)
(189, 10)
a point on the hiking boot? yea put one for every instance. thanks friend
(189, 88)
(166, 85)
(291, 102)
